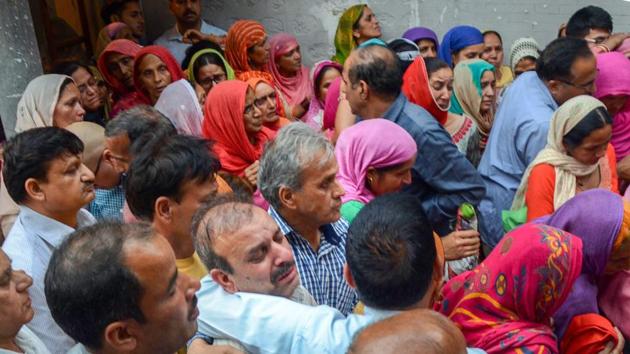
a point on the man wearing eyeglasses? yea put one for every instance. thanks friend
(565, 69)
(108, 201)
(120, 134)
(595, 26)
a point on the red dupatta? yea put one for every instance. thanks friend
(416, 88)
(166, 57)
(118, 46)
(224, 124)
(506, 303)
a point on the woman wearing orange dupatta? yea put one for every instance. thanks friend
(505, 305)
(428, 82)
(266, 101)
(235, 124)
(247, 50)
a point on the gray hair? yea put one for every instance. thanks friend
(224, 214)
(296, 146)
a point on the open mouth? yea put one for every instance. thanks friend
(286, 275)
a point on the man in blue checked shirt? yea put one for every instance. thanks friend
(297, 176)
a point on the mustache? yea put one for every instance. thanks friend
(284, 269)
(189, 12)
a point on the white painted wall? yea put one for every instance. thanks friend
(314, 22)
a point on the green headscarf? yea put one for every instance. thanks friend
(344, 41)
(191, 73)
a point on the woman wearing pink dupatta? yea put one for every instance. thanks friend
(505, 305)
(323, 75)
(289, 75)
(375, 157)
(613, 89)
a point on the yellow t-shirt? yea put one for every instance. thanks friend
(192, 267)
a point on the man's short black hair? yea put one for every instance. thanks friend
(138, 122)
(115, 7)
(30, 154)
(390, 251)
(380, 68)
(587, 18)
(87, 284)
(163, 167)
(557, 59)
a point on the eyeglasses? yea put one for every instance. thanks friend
(598, 40)
(586, 87)
(263, 101)
(249, 109)
(212, 80)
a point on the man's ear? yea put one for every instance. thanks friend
(224, 280)
(106, 156)
(287, 198)
(33, 190)
(347, 274)
(163, 210)
(121, 336)
(554, 87)
(364, 90)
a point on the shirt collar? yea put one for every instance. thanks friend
(396, 108)
(328, 231)
(50, 230)
(378, 314)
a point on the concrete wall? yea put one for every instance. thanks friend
(19, 57)
(314, 22)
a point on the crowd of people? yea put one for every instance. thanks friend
(209, 193)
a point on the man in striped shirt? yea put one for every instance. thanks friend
(297, 176)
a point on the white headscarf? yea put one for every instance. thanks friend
(180, 105)
(37, 105)
(566, 167)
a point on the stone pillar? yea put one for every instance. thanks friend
(19, 57)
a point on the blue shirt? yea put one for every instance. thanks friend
(108, 204)
(321, 271)
(30, 245)
(518, 134)
(172, 40)
(442, 178)
(272, 324)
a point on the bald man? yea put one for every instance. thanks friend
(414, 332)
(442, 178)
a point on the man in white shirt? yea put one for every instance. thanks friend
(16, 312)
(187, 18)
(244, 251)
(45, 176)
